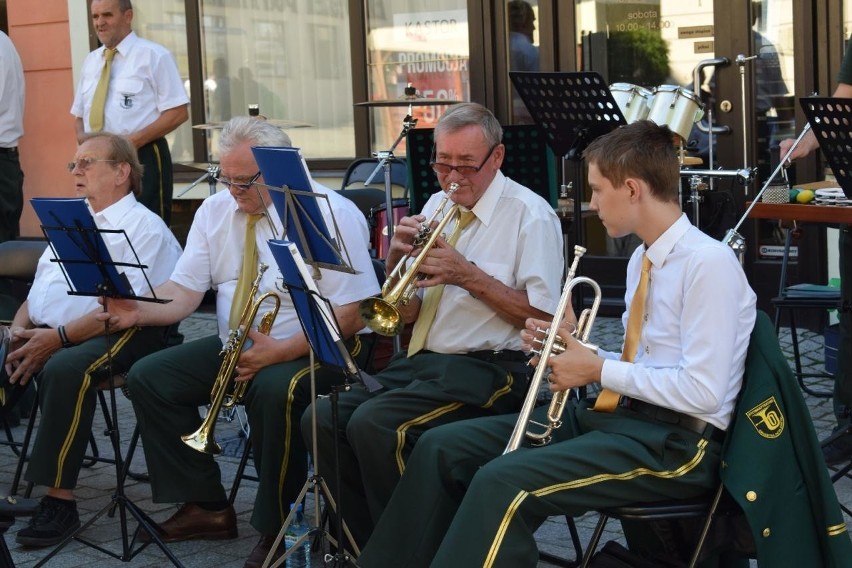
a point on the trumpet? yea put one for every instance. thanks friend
(552, 344)
(382, 314)
(226, 392)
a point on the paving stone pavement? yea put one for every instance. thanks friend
(97, 483)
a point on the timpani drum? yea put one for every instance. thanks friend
(379, 225)
(633, 101)
(677, 108)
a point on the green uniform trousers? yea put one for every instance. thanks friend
(67, 397)
(463, 504)
(168, 387)
(378, 430)
(157, 182)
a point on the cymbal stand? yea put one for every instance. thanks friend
(211, 175)
(385, 160)
(732, 238)
(741, 61)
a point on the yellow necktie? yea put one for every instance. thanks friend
(607, 399)
(96, 115)
(433, 295)
(248, 272)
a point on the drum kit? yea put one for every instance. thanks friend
(679, 109)
(382, 226)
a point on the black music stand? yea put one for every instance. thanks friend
(829, 119)
(323, 334)
(573, 109)
(82, 254)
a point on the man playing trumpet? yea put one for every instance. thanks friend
(501, 262)
(166, 391)
(465, 504)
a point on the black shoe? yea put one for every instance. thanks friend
(52, 523)
(837, 448)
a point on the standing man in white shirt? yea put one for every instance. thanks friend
(143, 100)
(11, 130)
(58, 339)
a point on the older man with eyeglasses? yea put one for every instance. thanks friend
(168, 387)
(464, 359)
(59, 340)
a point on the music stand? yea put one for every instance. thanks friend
(829, 119)
(573, 109)
(286, 174)
(323, 334)
(79, 248)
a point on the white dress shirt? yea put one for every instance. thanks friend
(214, 256)
(699, 316)
(516, 238)
(48, 301)
(144, 82)
(11, 94)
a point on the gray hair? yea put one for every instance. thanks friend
(121, 150)
(463, 115)
(258, 132)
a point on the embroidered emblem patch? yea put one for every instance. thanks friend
(767, 419)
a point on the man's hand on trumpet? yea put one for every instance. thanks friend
(577, 366)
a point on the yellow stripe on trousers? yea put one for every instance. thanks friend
(84, 387)
(435, 413)
(159, 178)
(585, 482)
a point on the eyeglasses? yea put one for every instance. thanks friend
(83, 164)
(241, 185)
(464, 171)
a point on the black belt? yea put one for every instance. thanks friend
(9, 150)
(669, 416)
(513, 361)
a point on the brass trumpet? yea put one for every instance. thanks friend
(552, 344)
(382, 314)
(202, 439)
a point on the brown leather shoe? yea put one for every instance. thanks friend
(192, 522)
(261, 550)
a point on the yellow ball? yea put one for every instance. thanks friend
(805, 196)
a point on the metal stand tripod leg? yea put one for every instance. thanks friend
(119, 500)
(317, 484)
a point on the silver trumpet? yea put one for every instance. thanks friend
(552, 344)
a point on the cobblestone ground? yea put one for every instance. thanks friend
(97, 483)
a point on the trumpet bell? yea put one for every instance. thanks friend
(381, 316)
(201, 441)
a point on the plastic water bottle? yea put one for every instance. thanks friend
(300, 558)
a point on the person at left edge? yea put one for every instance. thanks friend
(145, 99)
(58, 339)
(168, 387)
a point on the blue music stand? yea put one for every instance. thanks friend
(301, 209)
(323, 333)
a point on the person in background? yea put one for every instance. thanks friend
(131, 86)
(838, 448)
(227, 240)
(11, 131)
(523, 53)
(59, 340)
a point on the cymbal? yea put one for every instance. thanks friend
(406, 101)
(273, 121)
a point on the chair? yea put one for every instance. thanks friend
(791, 299)
(361, 169)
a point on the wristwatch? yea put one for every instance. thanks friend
(63, 337)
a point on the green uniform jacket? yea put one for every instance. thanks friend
(773, 467)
